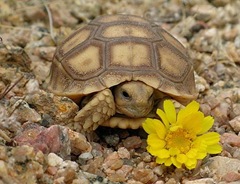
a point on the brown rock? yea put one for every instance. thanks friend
(116, 165)
(46, 53)
(123, 153)
(116, 177)
(235, 123)
(23, 153)
(60, 110)
(79, 142)
(94, 166)
(125, 170)
(24, 113)
(132, 181)
(34, 14)
(221, 112)
(52, 170)
(231, 139)
(3, 153)
(231, 176)
(146, 157)
(132, 142)
(144, 175)
(68, 174)
(113, 161)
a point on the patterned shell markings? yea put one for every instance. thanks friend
(118, 48)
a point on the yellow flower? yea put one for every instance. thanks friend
(183, 138)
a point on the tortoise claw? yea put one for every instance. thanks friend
(100, 108)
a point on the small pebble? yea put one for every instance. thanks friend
(123, 153)
(32, 86)
(24, 113)
(3, 153)
(112, 140)
(201, 181)
(146, 157)
(86, 156)
(3, 168)
(54, 160)
(52, 170)
(132, 142)
(231, 139)
(79, 143)
(144, 175)
(235, 123)
(113, 161)
(158, 170)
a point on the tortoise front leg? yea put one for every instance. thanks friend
(100, 108)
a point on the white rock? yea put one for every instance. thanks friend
(86, 156)
(159, 182)
(69, 163)
(221, 166)
(54, 160)
(32, 86)
(201, 181)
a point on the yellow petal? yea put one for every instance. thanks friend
(200, 145)
(192, 122)
(201, 155)
(175, 162)
(181, 158)
(148, 126)
(155, 144)
(191, 163)
(173, 151)
(191, 153)
(170, 111)
(174, 128)
(189, 109)
(163, 153)
(210, 138)
(153, 151)
(154, 126)
(163, 117)
(160, 160)
(168, 161)
(161, 130)
(214, 149)
(207, 123)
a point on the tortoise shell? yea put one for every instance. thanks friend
(112, 49)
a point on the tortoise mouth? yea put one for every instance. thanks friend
(133, 111)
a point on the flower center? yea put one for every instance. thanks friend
(179, 139)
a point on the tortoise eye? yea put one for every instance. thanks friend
(126, 95)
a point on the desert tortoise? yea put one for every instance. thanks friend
(119, 68)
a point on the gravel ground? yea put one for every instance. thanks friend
(39, 143)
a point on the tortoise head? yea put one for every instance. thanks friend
(134, 99)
